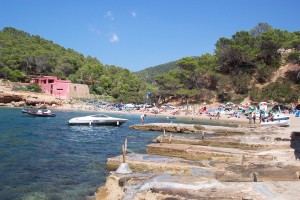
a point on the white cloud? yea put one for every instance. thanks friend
(109, 15)
(95, 30)
(133, 14)
(114, 38)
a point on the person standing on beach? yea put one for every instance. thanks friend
(254, 117)
(218, 116)
(143, 118)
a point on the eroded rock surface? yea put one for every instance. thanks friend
(151, 186)
(249, 163)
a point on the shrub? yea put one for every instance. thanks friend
(294, 57)
(224, 96)
(34, 88)
(242, 82)
(18, 87)
(255, 94)
(281, 91)
(265, 74)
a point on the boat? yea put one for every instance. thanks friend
(39, 113)
(278, 120)
(97, 119)
(171, 117)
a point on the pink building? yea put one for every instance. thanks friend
(63, 89)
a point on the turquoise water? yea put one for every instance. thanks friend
(45, 158)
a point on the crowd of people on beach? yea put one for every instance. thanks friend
(253, 112)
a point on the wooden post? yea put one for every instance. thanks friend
(170, 138)
(124, 151)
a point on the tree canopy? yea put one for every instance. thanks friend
(23, 55)
(232, 72)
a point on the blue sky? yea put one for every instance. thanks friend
(136, 34)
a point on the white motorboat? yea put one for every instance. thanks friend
(278, 120)
(97, 119)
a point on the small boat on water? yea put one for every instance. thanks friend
(171, 117)
(278, 120)
(97, 119)
(39, 113)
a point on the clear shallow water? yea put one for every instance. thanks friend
(45, 158)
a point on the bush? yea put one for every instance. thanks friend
(224, 96)
(30, 87)
(255, 94)
(281, 91)
(265, 74)
(18, 87)
(34, 88)
(242, 82)
(294, 57)
(12, 75)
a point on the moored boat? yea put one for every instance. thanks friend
(171, 117)
(39, 113)
(97, 119)
(277, 120)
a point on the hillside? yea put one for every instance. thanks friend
(260, 64)
(286, 71)
(149, 73)
(24, 56)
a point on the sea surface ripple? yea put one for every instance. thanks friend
(45, 158)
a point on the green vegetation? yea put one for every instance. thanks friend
(149, 73)
(23, 56)
(238, 65)
(240, 62)
(29, 87)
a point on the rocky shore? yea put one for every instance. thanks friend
(232, 161)
(210, 162)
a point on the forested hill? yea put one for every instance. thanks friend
(150, 73)
(261, 63)
(23, 55)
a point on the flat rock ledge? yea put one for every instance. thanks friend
(206, 129)
(138, 186)
(168, 127)
(30, 100)
(237, 163)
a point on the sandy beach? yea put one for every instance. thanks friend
(76, 105)
(224, 118)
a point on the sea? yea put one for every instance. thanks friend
(47, 159)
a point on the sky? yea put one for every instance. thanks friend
(137, 34)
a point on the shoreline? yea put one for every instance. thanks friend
(223, 120)
(284, 133)
(76, 105)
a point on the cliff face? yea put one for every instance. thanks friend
(8, 98)
(33, 100)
